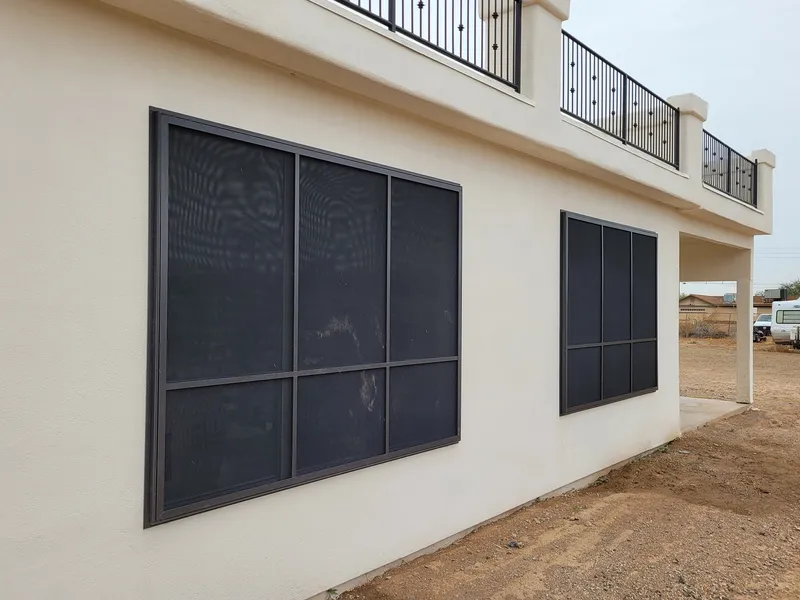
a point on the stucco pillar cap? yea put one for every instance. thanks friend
(691, 104)
(764, 157)
(559, 8)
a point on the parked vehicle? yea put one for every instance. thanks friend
(794, 336)
(785, 316)
(763, 324)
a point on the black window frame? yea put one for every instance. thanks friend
(564, 346)
(154, 511)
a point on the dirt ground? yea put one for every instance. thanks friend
(714, 515)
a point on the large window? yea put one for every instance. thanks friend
(305, 316)
(788, 317)
(608, 313)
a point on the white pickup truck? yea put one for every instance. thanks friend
(763, 324)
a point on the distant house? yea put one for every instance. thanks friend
(715, 307)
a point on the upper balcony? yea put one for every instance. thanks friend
(503, 70)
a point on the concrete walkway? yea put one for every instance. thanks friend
(696, 412)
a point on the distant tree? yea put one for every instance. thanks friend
(792, 288)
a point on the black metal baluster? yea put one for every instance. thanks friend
(393, 14)
(452, 24)
(624, 108)
(438, 24)
(506, 14)
(518, 44)
(485, 37)
(677, 142)
(728, 174)
(754, 185)
(478, 22)
(494, 41)
(564, 73)
(460, 29)
(582, 84)
(430, 37)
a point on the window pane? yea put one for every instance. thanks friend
(225, 438)
(423, 401)
(583, 376)
(616, 370)
(584, 270)
(616, 285)
(340, 419)
(424, 303)
(230, 239)
(342, 288)
(644, 286)
(645, 367)
(789, 317)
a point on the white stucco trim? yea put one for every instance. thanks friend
(714, 190)
(618, 144)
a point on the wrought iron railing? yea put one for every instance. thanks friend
(728, 171)
(596, 92)
(482, 34)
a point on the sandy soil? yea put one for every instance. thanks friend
(714, 515)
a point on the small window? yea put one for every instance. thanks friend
(304, 319)
(788, 317)
(608, 313)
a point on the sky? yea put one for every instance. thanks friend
(741, 56)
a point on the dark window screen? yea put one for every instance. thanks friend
(616, 370)
(340, 419)
(342, 294)
(424, 303)
(585, 285)
(608, 316)
(224, 438)
(423, 407)
(583, 386)
(304, 316)
(644, 286)
(230, 240)
(645, 366)
(616, 285)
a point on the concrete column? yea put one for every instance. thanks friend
(744, 328)
(694, 112)
(541, 51)
(766, 166)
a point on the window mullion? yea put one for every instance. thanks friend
(388, 333)
(630, 316)
(295, 320)
(602, 308)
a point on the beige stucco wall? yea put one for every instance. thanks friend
(326, 40)
(74, 225)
